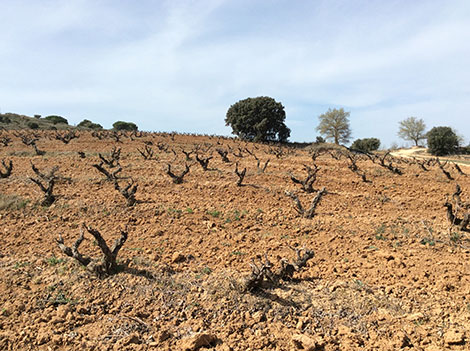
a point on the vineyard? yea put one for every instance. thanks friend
(165, 241)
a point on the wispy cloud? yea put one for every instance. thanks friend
(178, 65)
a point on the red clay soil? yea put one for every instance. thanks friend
(389, 272)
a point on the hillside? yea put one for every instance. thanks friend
(13, 121)
(389, 270)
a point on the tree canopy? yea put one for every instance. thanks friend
(442, 141)
(56, 119)
(89, 124)
(121, 125)
(412, 129)
(366, 144)
(258, 119)
(334, 125)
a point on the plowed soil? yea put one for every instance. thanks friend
(389, 272)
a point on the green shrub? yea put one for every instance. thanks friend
(442, 141)
(366, 144)
(33, 125)
(89, 124)
(56, 119)
(5, 119)
(129, 126)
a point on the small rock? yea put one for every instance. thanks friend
(415, 317)
(42, 336)
(127, 340)
(454, 337)
(63, 311)
(196, 341)
(178, 257)
(308, 343)
(164, 335)
(258, 316)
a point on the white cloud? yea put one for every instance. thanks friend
(179, 64)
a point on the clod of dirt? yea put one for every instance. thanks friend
(197, 341)
(454, 337)
(308, 343)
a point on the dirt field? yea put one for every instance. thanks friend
(389, 272)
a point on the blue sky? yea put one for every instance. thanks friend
(179, 65)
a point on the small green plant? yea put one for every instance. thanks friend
(189, 210)
(54, 261)
(236, 253)
(214, 213)
(428, 241)
(206, 270)
(455, 237)
(21, 264)
(380, 237)
(381, 229)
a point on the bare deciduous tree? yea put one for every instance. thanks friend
(412, 129)
(66, 137)
(300, 209)
(223, 154)
(177, 179)
(128, 191)
(454, 209)
(204, 162)
(8, 168)
(102, 267)
(262, 272)
(307, 183)
(46, 183)
(241, 175)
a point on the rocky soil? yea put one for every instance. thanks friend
(389, 272)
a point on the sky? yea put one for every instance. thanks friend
(179, 65)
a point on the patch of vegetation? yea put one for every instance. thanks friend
(56, 119)
(89, 124)
(54, 261)
(126, 126)
(12, 202)
(366, 144)
(214, 213)
(442, 141)
(33, 125)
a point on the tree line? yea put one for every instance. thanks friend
(262, 119)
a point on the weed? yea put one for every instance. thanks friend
(53, 261)
(206, 270)
(429, 241)
(12, 202)
(237, 253)
(380, 237)
(189, 210)
(21, 264)
(455, 237)
(214, 213)
(381, 229)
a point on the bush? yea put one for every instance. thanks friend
(366, 144)
(442, 141)
(5, 119)
(320, 140)
(129, 126)
(33, 125)
(258, 119)
(56, 119)
(89, 124)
